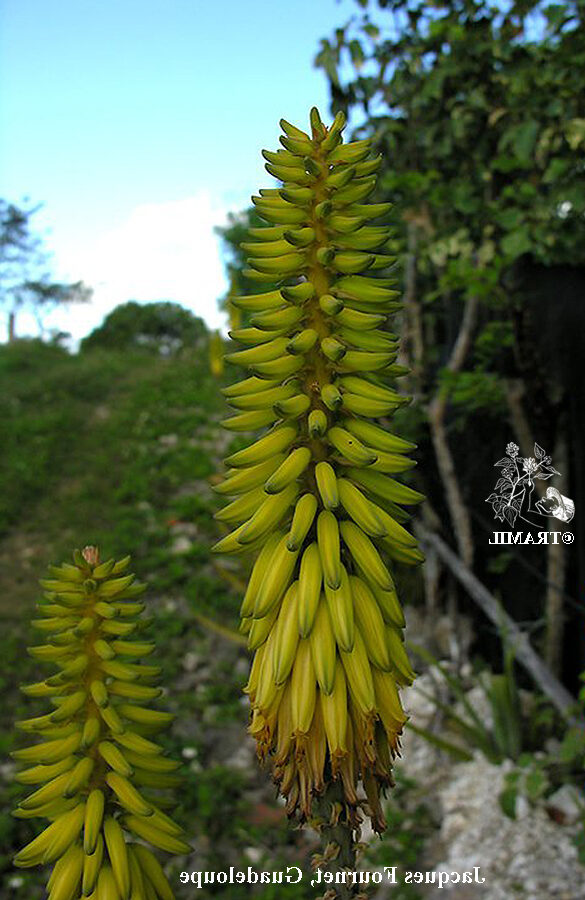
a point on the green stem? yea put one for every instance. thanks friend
(340, 834)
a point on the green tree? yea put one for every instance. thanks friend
(23, 279)
(19, 247)
(162, 327)
(233, 235)
(478, 110)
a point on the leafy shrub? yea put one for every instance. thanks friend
(161, 327)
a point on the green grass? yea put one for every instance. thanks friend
(110, 448)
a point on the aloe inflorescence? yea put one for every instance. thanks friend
(97, 772)
(315, 497)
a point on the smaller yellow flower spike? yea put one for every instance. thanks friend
(97, 772)
(315, 499)
(216, 354)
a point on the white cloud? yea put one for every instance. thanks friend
(162, 251)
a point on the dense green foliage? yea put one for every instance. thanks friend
(478, 110)
(163, 327)
(479, 114)
(232, 236)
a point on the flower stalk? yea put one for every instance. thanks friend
(315, 499)
(97, 774)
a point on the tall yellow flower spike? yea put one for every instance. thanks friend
(316, 500)
(96, 744)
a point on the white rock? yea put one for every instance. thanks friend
(527, 859)
(181, 544)
(568, 802)
(244, 757)
(168, 440)
(187, 528)
(191, 661)
(253, 854)
(522, 807)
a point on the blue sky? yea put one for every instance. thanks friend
(138, 124)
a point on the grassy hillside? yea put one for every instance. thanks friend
(118, 449)
(96, 429)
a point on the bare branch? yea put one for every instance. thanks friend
(555, 557)
(436, 413)
(414, 334)
(463, 342)
(523, 650)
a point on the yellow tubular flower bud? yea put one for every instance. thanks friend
(82, 769)
(317, 503)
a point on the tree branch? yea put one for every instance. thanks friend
(555, 557)
(555, 575)
(524, 652)
(436, 414)
(414, 333)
